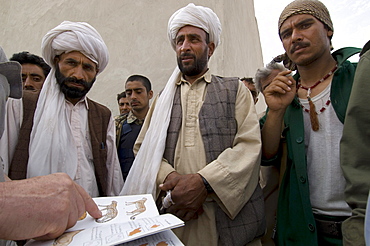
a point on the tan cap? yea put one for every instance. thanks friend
(312, 7)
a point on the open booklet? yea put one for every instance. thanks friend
(127, 220)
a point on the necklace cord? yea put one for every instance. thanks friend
(312, 111)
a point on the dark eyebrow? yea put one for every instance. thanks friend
(306, 21)
(179, 37)
(285, 31)
(71, 59)
(191, 35)
(35, 74)
(302, 22)
(88, 65)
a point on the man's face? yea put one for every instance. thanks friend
(193, 51)
(304, 38)
(124, 105)
(32, 76)
(137, 95)
(75, 74)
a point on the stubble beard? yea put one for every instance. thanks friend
(198, 66)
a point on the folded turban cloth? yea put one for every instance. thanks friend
(312, 7)
(52, 148)
(75, 36)
(197, 16)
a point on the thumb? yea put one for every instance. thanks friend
(169, 184)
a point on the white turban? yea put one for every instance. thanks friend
(198, 16)
(52, 148)
(75, 36)
(148, 160)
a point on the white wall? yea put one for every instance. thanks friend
(135, 32)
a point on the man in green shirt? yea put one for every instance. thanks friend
(312, 106)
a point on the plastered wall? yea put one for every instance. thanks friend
(135, 32)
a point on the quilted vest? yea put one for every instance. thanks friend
(218, 128)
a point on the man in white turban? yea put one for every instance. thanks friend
(55, 201)
(62, 130)
(202, 143)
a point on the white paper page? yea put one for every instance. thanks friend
(165, 238)
(113, 234)
(118, 209)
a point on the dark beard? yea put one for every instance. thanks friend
(72, 92)
(200, 64)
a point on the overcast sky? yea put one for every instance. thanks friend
(351, 20)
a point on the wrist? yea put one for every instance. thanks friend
(207, 185)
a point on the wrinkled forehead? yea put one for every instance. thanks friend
(189, 29)
(296, 19)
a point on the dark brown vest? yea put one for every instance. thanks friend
(98, 118)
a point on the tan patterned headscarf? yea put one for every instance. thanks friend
(312, 7)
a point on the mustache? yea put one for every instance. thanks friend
(298, 45)
(77, 81)
(187, 55)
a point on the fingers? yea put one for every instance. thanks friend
(90, 205)
(282, 83)
(171, 181)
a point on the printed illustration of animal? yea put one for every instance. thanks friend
(140, 208)
(65, 239)
(109, 212)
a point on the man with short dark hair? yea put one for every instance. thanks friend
(312, 106)
(34, 70)
(123, 103)
(138, 91)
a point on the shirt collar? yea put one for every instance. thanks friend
(83, 100)
(132, 118)
(207, 76)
